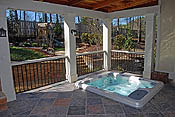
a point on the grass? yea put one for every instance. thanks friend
(22, 54)
(59, 49)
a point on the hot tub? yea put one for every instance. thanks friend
(122, 87)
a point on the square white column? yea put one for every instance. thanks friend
(107, 43)
(5, 64)
(149, 45)
(70, 48)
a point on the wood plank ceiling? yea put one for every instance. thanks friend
(105, 5)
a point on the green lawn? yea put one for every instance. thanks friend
(21, 54)
(59, 49)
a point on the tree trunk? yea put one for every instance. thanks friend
(140, 29)
(50, 18)
(118, 26)
(45, 17)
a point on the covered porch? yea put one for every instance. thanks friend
(55, 76)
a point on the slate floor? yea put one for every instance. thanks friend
(67, 101)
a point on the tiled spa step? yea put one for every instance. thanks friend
(3, 102)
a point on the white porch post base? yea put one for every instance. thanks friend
(72, 78)
(149, 45)
(70, 48)
(5, 65)
(107, 43)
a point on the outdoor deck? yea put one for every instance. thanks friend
(67, 101)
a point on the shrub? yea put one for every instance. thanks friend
(34, 44)
(27, 44)
(122, 42)
(44, 46)
(129, 44)
(119, 41)
(92, 39)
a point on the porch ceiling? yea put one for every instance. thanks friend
(105, 5)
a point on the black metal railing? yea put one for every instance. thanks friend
(89, 62)
(33, 74)
(132, 62)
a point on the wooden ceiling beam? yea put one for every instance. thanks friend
(132, 5)
(74, 2)
(103, 4)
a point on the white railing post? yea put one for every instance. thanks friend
(70, 48)
(107, 43)
(149, 45)
(5, 65)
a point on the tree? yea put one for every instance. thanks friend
(94, 30)
(13, 22)
(57, 29)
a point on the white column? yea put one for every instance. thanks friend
(149, 45)
(107, 43)
(70, 48)
(5, 65)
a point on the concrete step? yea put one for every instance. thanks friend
(3, 102)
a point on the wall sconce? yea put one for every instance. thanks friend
(2, 32)
(74, 32)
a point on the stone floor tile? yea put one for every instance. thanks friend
(152, 114)
(62, 102)
(131, 110)
(49, 95)
(59, 110)
(76, 110)
(40, 110)
(79, 93)
(169, 114)
(95, 109)
(107, 101)
(97, 115)
(56, 115)
(78, 101)
(37, 116)
(65, 94)
(113, 109)
(5, 113)
(133, 115)
(94, 101)
(27, 96)
(45, 102)
(66, 99)
(149, 108)
(92, 95)
(21, 106)
(76, 116)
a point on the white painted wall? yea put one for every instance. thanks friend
(70, 48)
(5, 65)
(107, 24)
(166, 50)
(149, 45)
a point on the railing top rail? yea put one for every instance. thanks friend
(37, 60)
(87, 53)
(127, 52)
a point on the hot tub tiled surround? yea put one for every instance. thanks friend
(122, 87)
